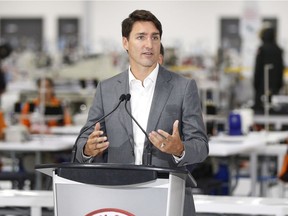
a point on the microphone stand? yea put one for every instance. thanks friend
(74, 150)
(149, 149)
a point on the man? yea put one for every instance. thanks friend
(269, 53)
(164, 103)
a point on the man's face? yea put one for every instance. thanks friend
(143, 45)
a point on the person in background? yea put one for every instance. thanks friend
(161, 56)
(2, 90)
(55, 115)
(269, 53)
(5, 51)
(53, 107)
(165, 104)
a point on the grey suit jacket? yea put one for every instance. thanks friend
(175, 98)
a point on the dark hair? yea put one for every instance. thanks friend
(139, 15)
(38, 81)
(268, 35)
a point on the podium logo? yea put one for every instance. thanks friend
(109, 212)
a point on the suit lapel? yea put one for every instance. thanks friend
(161, 94)
(126, 121)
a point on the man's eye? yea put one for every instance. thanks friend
(140, 37)
(155, 38)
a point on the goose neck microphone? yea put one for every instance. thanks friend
(149, 153)
(74, 150)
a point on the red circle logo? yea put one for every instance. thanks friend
(109, 212)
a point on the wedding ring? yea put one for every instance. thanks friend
(162, 145)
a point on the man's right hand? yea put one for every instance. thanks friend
(96, 143)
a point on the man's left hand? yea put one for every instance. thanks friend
(167, 143)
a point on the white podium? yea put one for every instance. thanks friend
(117, 189)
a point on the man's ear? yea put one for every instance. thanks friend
(125, 43)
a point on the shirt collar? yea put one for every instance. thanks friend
(152, 76)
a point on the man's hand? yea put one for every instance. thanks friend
(96, 143)
(165, 142)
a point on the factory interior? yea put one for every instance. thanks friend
(78, 44)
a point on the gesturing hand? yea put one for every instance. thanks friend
(96, 143)
(165, 142)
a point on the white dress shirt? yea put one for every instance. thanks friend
(141, 100)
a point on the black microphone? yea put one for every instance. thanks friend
(74, 150)
(149, 153)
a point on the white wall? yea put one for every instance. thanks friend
(192, 25)
(49, 11)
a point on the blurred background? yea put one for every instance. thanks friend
(79, 43)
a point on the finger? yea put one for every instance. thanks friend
(97, 126)
(93, 136)
(97, 132)
(156, 138)
(97, 129)
(100, 139)
(99, 148)
(175, 128)
(164, 134)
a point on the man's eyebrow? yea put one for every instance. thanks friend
(156, 33)
(144, 33)
(141, 33)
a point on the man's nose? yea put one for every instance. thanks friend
(148, 42)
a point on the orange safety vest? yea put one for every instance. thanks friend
(50, 123)
(2, 125)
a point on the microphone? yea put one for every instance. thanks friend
(74, 150)
(149, 153)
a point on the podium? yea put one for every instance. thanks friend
(117, 189)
